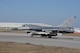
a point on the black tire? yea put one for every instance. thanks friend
(49, 36)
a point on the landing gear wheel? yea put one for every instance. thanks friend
(49, 36)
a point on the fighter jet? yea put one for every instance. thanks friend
(49, 31)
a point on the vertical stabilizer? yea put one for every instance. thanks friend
(68, 23)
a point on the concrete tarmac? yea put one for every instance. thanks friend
(61, 41)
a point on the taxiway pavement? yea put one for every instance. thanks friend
(61, 41)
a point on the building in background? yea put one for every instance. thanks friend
(8, 26)
(77, 30)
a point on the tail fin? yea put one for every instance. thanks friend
(68, 23)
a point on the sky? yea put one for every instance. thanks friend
(52, 12)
